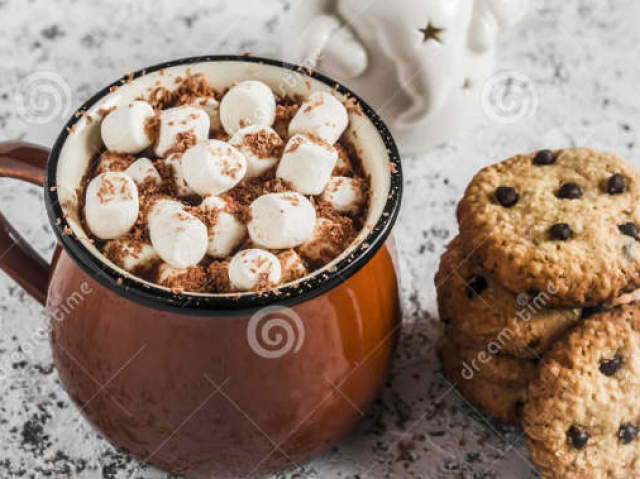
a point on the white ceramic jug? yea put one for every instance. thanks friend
(421, 64)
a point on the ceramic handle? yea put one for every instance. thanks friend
(18, 259)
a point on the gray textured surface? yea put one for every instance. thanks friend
(582, 60)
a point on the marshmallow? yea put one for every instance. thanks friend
(226, 232)
(213, 167)
(281, 220)
(110, 161)
(211, 106)
(322, 115)
(292, 266)
(260, 146)
(111, 205)
(131, 255)
(175, 161)
(124, 130)
(307, 164)
(250, 268)
(177, 236)
(178, 123)
(248, 103)
(345, 194)
(143, 170)
(322, 246)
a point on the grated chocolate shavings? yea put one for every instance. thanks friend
(264, 144)
(184, 141)
(105, 111)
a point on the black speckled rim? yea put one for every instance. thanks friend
(226, 305)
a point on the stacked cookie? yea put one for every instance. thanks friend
(493, 337)
(582, 416)
(546, 240)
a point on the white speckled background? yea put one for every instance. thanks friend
(582, 59)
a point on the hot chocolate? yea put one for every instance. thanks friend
(212, 191)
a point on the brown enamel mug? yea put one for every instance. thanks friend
(212, 385)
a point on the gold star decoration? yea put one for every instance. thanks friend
(431, 33)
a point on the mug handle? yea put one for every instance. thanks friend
(27, 162)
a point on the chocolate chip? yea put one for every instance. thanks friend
(615, 184)
(569, 191)
(609, 367)
(476, 284)
(578, 438)
(629, 229)
(627, 433)
(544, 157)
(506, 196)
(591, 310)
(560, 232)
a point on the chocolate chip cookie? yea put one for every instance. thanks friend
(488, 364)
(583, 414)
(502, 402)
(564, 222)
(483, 312)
